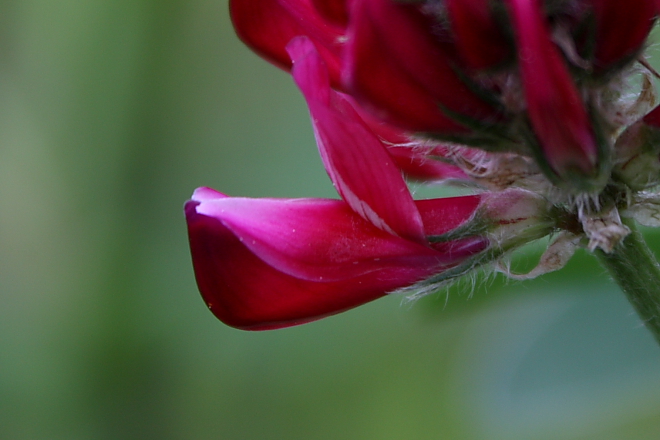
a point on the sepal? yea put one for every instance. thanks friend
(644, 209)
(638, 153)
(508, 220)
(505, 217)
(604, 229)
(555, 257)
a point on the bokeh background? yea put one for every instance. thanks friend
(111, 113)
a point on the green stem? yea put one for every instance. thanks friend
(635, 269)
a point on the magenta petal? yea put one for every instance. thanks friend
(554, 105)
(324, 240)
(358, 163)
(232, 255)
(267, 26)
(388, 133)
(314, 239)
(245, 292)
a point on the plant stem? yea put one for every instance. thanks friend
(635, 269)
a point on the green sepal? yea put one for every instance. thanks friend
(478, 225)
(640, 168)
(491, 144)
(443, 279)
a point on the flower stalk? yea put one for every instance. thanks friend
(635, 269)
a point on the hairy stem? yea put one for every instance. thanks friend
(635, 269)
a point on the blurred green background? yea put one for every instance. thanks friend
(111, 113)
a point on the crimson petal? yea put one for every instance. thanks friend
(267, 26)
(245, 291)
(358, 163)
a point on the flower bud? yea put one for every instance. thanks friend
(621, 30)
(554, 106)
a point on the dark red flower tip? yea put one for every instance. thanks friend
(478, 36)
(397, 67)
(622, 27)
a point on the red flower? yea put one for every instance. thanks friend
(517, 97)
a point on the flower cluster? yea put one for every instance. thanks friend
(545, 108)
